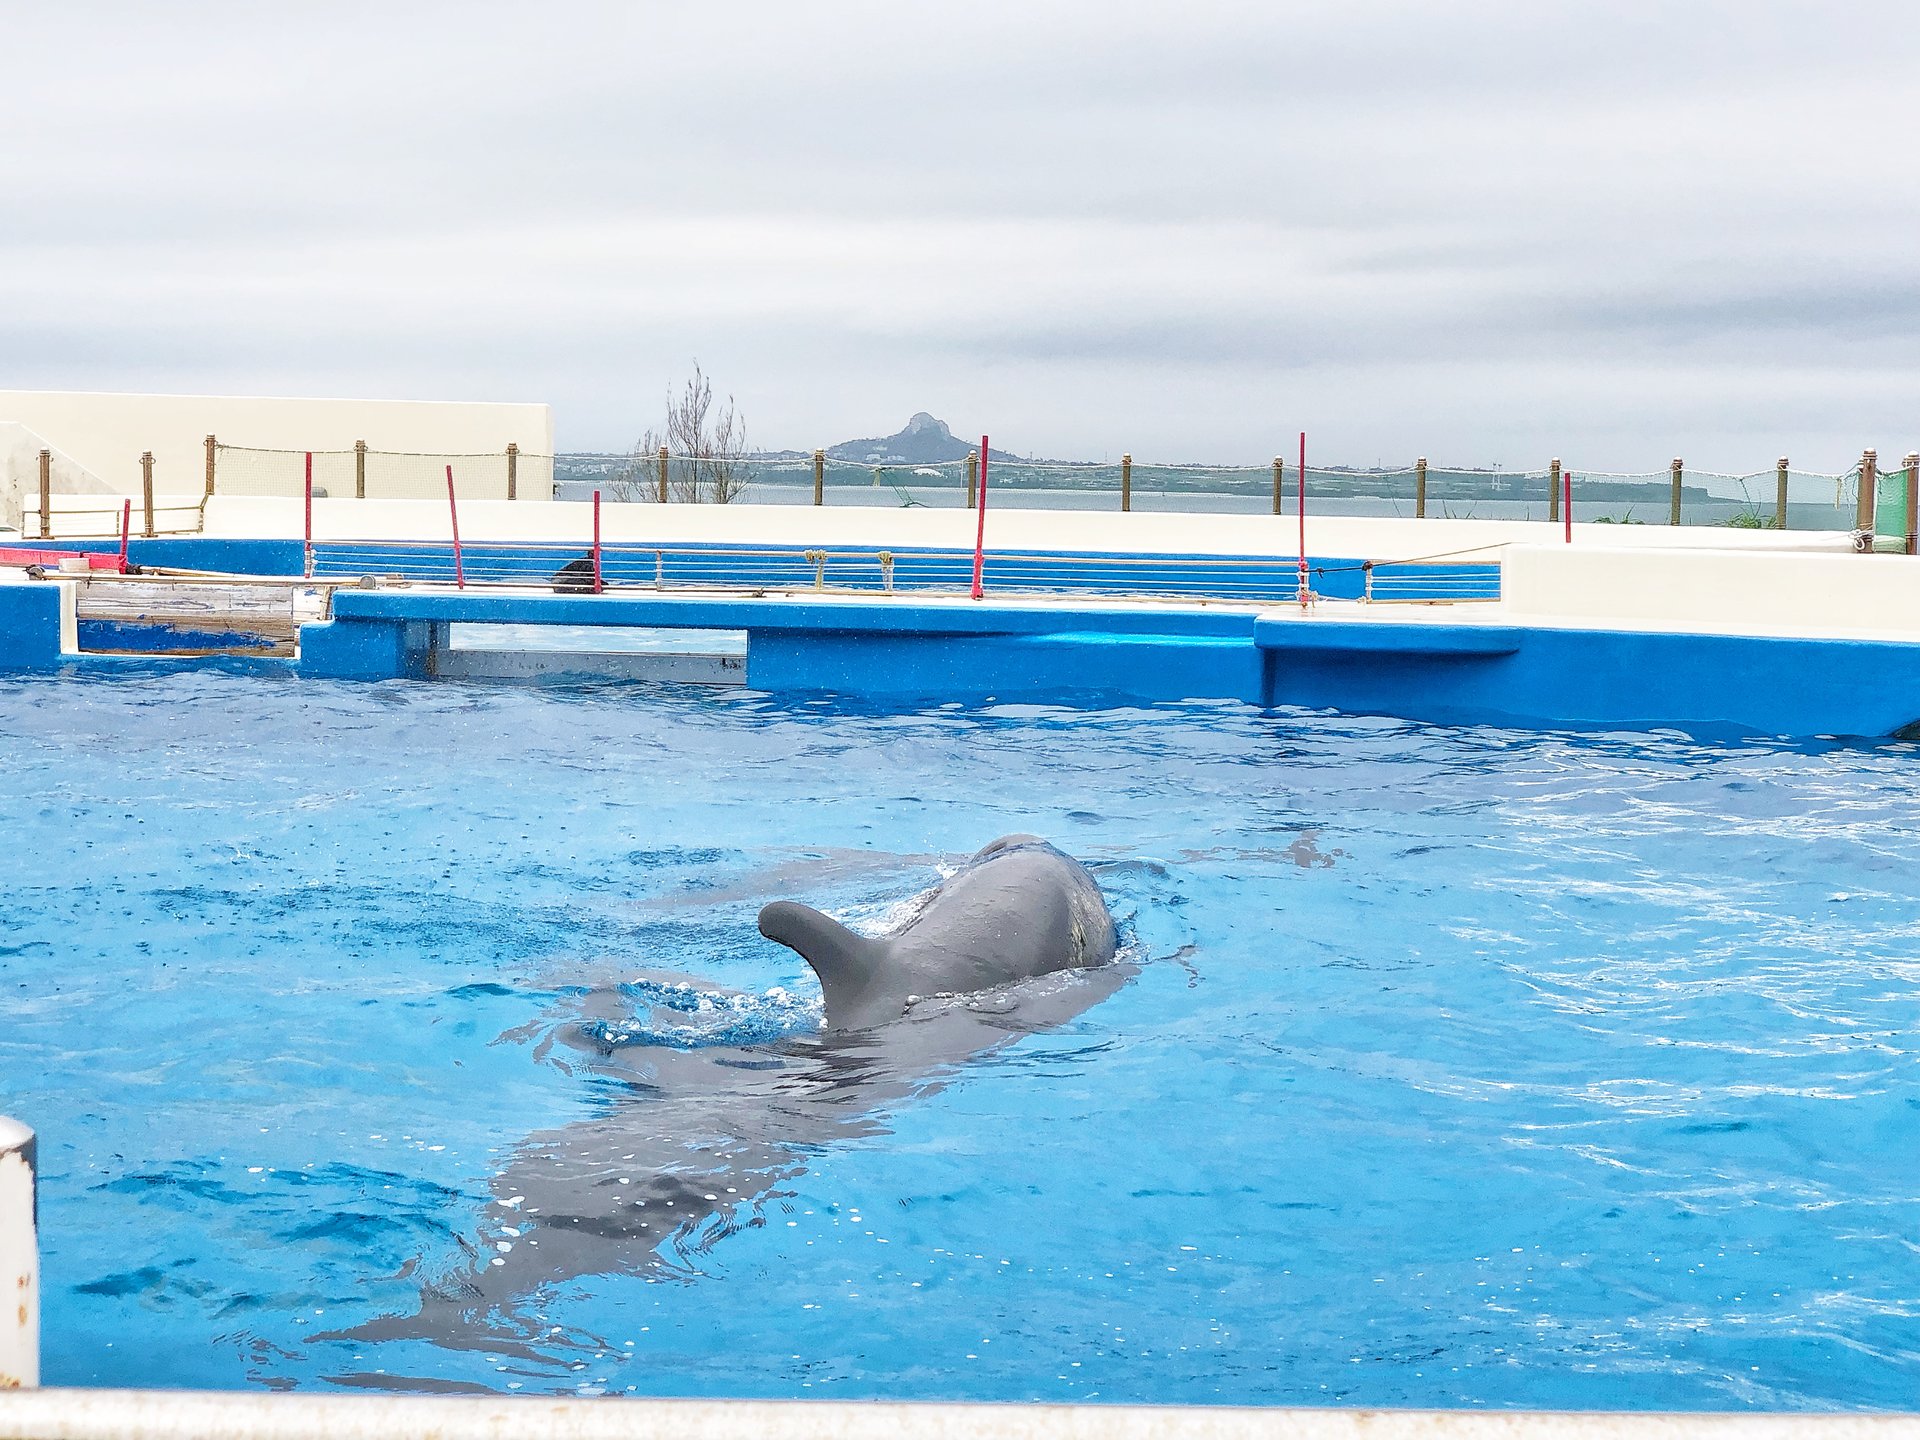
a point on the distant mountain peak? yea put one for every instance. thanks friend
(924, 440)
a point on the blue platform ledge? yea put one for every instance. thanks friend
(1386, 638)
(892, 648)
(894, 615)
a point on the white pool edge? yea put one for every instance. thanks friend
(165, 1415)
(19, 1260)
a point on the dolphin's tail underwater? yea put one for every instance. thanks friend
(845, 962)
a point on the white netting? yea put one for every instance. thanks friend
(381, 474)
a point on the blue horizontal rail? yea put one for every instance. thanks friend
(1249, 578)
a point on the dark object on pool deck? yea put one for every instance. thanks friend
(1019, 908)
(575, 577)
(694, 1139)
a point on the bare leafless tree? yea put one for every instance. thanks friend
(706, 444)
(639, 478)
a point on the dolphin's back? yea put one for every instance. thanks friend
(1018, 915)
(1019, 908)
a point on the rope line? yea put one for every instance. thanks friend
(1416, 560)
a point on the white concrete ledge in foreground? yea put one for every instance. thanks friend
(165, 1415)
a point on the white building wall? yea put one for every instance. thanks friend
(105, 434)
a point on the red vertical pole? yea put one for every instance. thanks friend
(980, 528)
(453, 511)
(307, 552)
(1303, 520)
(126, 530)
(1566, 505)
(596, 542)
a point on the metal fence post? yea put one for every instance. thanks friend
(513, 470)
(1126, 482)
(46, 493)
(19, 1260)
(1420, 488)
(146, 492)
(1863, 507)
(212, 446)
(1913, 502)
(663, 474)
(1780, 493)
(819, 477)
(973, 477)
(1673, 508)
(1279, 477)
(359, 469)
(1553, 490)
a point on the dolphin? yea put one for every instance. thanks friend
(1019, 908)
(695, 1138)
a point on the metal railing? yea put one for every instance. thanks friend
(117, 520)
(1864, 498)
(1258, 580)
(364, 473)
(106, 522)
(1778, 498)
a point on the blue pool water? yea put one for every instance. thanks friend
(1462, 1067)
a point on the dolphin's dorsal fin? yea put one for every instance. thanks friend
(845, 962)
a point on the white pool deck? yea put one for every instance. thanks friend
(874, 526)
(1046, 531)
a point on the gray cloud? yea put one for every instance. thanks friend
(1483, 231)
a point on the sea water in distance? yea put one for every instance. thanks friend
(1461, 1067)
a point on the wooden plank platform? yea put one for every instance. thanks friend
(258, 618)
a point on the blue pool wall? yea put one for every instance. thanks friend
(1248, 577)
(903, 650)
(1577, 678)
(1424, 670)
(234, 557)
(1260, 578)
(29, 627)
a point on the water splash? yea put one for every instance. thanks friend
(688, 1016)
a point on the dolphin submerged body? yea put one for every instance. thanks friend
(696, 1138)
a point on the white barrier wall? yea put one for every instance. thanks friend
(19, 1261)
(105, 434)
(1733, 591)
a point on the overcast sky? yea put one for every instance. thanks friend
(1487, 232)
